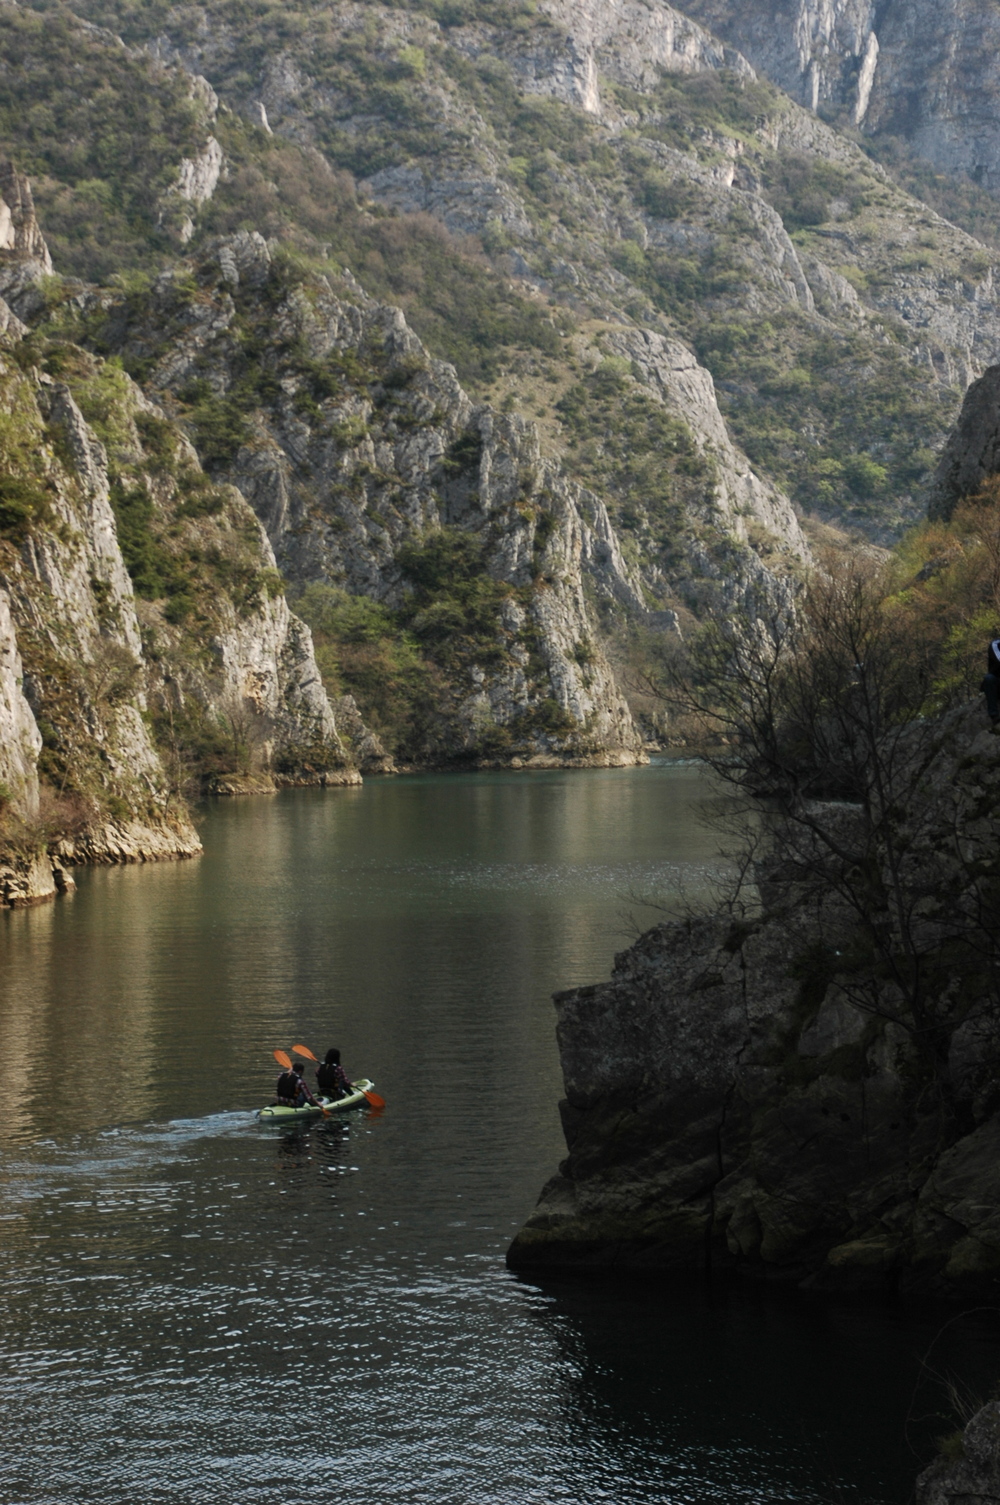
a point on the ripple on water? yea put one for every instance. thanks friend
(197, 1307)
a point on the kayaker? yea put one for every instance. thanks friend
(302, 1093)
(287, 1089)
(331, 1078)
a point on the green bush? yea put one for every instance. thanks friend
(455, 604)
(362, 650)
(24, 505)
(154, 570)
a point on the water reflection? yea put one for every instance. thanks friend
(239, 1306)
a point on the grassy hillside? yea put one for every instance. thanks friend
(516, 225)
(582, 218)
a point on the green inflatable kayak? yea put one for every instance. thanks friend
(282, 1115)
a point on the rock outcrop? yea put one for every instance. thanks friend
(105, 694)
(972, 453)
(368, 445)
(973, 1477)
(917, 70)
(24, 255)
(20, 739)
(366, 748)
(820, 51)
(731, 1104)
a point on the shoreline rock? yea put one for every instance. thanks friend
(240, 784)
(729, 1107)
(972, 1477)
(31, 878)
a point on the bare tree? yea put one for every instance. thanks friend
(833, 758)
(249, 730)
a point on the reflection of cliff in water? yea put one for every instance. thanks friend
(720, 1391)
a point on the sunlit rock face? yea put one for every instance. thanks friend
(82, 679)
(918, 70)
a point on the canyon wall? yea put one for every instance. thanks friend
(107, 685)
(742, 1096)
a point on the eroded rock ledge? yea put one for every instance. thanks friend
(973, 1476)
(728, 1105)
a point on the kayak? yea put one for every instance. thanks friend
(279, 1114)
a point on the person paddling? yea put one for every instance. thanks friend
(331, 1078)
(302, 1093)
(287, 1089)
(991, 683)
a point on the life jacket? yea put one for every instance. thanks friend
(330, 1079)
(288, 1086)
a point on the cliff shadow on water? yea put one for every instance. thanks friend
(716, 1389)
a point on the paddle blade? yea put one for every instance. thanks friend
(283, 1059)
(303, 1050)
(375, 1100)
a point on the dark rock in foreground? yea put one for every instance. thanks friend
(728, 1105)
(973, 1478)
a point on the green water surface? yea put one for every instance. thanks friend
(194, 1307)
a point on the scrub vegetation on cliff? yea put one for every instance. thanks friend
(802, 1085)
(307, 208)
(703, 204)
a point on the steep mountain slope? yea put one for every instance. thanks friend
(146, 639)
(618, 161)
(374, 473)
(589, 210)
(924, 72)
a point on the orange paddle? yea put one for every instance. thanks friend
(284, 1059)
(373, 1097)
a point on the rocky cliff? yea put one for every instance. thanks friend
(622, 163)
(971, 1476)
(972, 453)
(362, 456)
(923, 72)
(742, 1095)
(145, 634)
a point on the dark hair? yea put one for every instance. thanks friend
(298, 1068)
(333, 1058)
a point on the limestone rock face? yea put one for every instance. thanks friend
(366, 748)
(197, 180)
(24, 255)
(919, 70)
(744, 499)
(341, 486)
(973, 1478)
(728, 1102)
(83, 683)
(627, 41)
(972, 452)
(20, 739)
(820, 51)
(72, 606)
(20, 235)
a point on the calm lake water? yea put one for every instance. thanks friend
(194, 1307)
